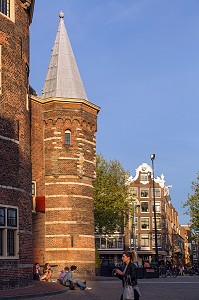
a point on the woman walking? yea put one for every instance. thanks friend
(137, 294)
(128, 276)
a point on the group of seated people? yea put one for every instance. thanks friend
(47, 272)
(65, 277)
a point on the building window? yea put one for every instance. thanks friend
(1, 242)
(144, 177)
(11, 217)
(2, 216)
(144, 193)
(144, 241)
(144, 223)
(157, 193)
(158, 223)
(110, 242)
(144, 206)
(157, 207)
(9, 242)
(159, 240)
(5, 7)
(68, 137)
(134, 191)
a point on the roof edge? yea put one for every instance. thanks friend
(69, 100)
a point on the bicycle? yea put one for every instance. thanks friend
(163, 272)
(193, 271)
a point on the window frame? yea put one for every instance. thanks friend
(142, 202)
(145, 237)
(157, 204)
(156, 190)
(10, 14)
(134, 191)
(9, 237)
(67, 138)
(159, 240)
(159, 219)
(104, 242)
(142, 190)
(3, 216)
(148, 225)
(144, 177)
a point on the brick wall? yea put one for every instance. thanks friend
(15, 175)
(67, 173)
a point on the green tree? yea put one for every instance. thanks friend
(111, 195)
(193, 208)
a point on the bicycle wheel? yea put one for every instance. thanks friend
(174, 273)
(164, 273)
(191, 272)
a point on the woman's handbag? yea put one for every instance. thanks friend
(128, 292)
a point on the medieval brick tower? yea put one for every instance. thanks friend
(15, 154)
(63, 158)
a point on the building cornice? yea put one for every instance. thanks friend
(65, 100)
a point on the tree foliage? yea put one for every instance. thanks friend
(193, 208)
(111, 204)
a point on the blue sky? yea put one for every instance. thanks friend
(139, 61)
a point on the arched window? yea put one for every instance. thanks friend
(67, 137)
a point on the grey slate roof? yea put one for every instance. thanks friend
(63, 78)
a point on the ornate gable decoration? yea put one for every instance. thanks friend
(146, 169)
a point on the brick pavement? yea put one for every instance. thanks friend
(39, 288)
(109, 288)
(42, 288)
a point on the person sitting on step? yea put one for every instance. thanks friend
(70, 281)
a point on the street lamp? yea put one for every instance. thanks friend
(132, 231)
(135, 206)
(152, 156)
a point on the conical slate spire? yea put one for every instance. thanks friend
(63, 78)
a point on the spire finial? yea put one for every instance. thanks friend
(61, 14)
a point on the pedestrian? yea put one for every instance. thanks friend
(181, 269)
(76, 281)
(128, 273)
(137, 293)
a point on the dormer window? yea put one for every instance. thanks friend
(67, 137)
(5, 7)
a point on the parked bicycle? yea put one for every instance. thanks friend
(164, 272)
(193, 270)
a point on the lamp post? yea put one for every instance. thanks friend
(133, 233)
(152, 156)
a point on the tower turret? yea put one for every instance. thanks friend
(64, 150)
